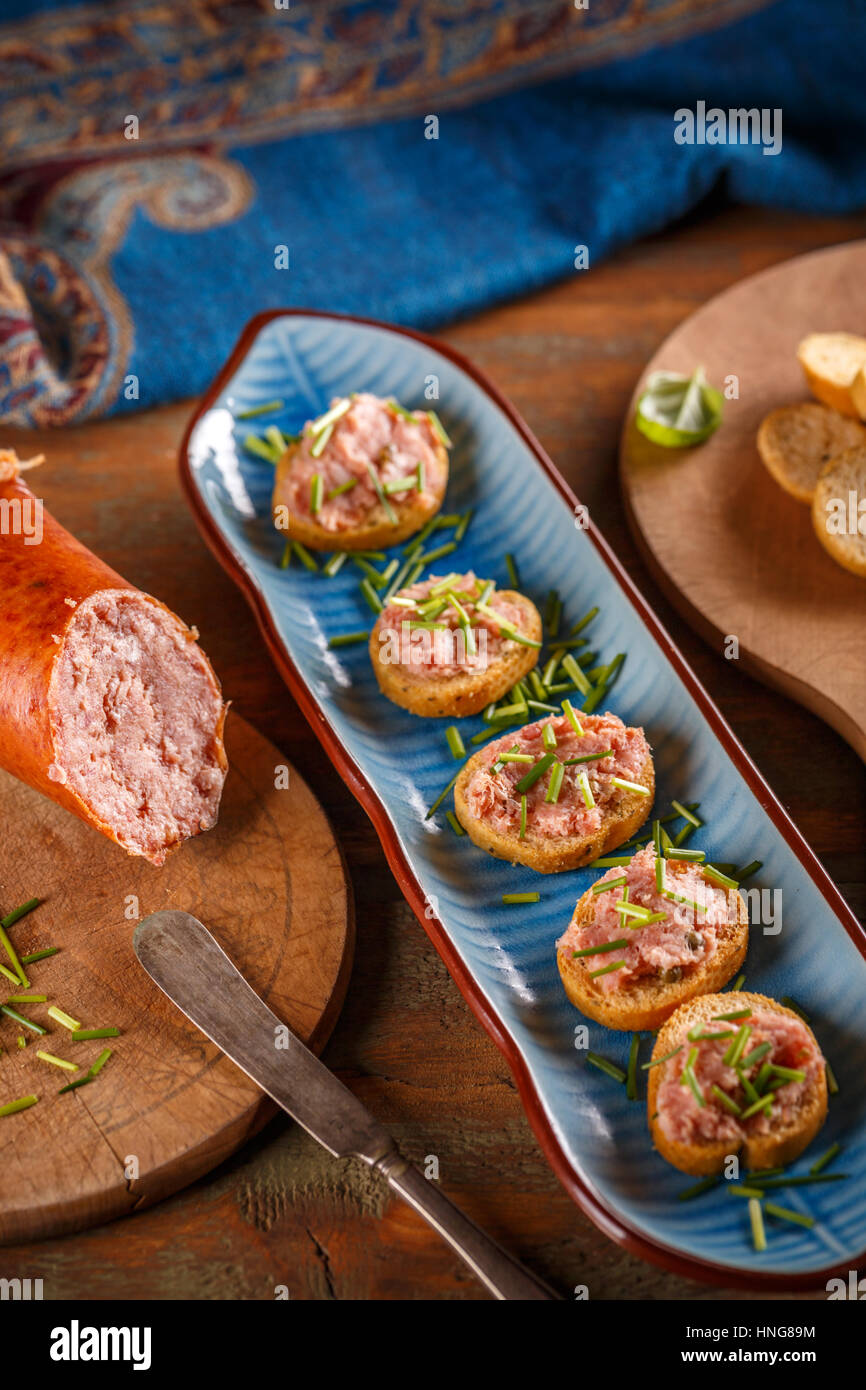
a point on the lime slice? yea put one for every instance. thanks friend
(678, 411)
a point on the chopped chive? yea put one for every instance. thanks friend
(87, 1034)
(522, 834)
(340, 489)
(17, 913)
(658, 1060)
(10, 975)
(741, 1190)
(57, 1061)
(454, 823)
(331, 416)
(286, 557)
(686, 814)
(441, 797)
(738, 984)
(508, 711)
(373, 598)
(748, 869)
(553, 612)
(833, 1152)
(538, 688)
(463, 525)
(705, 1185)
(631, 1080)
(74, 1085)
(575, 674)
(335, 563)
(541, 708)
(609, 1068)
(12, 1107)
(586, 791)
(722, 879)
(728, 1018)
(347, 639)
(513, 576)
(805, 1181)
(698, 1034)
(548, 736)
(660, 872)
(321, 441)
(785, 1214)
(737, 1047)
(584, 622)
(514, 757)
(438, 429)
(763, 1103)
(305, 557)
(630, 786)
(39, 955)
(759, 1174)
(607, 884)
(682, 835)
(555, 784)
(549, 671)
(756, 1055)
(759, 1239)
(455, 742)
(512, 899)
(63, 1018)
(588, 758)
(13, 957)
(785, 1073)
(254, 445)
(685, 856)
(316, 489)
(607, 969)
(645, 921)
(692, 1083)
(571, 715)
(726, 1100)
(27, 999)
(687, 902)
(100, 1062)
(610, 861)
(383, 501)
(599, 950)
(791, 1004)
(832, 1083)
(429, 556)
(277, 440)
(25, 1022)
(534, 773)
(267, 409)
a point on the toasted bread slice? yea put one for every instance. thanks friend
(858, 393)
(796, 441)
(645, 1003)
(837, 515)
(831, 362)
(377, 530)
(778, 1147)
(548, 855)
(469, 692)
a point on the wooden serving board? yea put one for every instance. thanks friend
(736, 555)
(269, 881)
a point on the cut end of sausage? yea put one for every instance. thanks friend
(137, 719)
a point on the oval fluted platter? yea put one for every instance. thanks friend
(503, 958)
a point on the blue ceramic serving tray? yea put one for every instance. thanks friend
(503, 958)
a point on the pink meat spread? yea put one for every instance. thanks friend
(442, 649)
(371, 432)
(137, 717)
(667, 950)
(493, 796)
(684, 1121)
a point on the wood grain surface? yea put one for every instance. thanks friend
(735, 553)
(281, 1211)
(168, 1106)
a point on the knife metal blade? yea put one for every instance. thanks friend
(190, 966)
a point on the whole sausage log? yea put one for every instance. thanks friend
(107, 704)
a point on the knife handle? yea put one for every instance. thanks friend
(503, 1276)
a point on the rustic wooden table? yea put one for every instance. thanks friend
(282, 1212)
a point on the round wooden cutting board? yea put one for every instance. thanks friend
(269, 881)
(736, 555)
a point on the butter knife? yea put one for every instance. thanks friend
(190, 966)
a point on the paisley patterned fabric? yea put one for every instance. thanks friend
(166, 170)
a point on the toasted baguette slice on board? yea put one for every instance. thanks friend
(831, 363)
(839, 509)
(796, 441)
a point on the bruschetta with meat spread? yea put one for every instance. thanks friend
(558, 793)
(450, 645)
(647, 937)
(365, 474)
(735, 1073)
